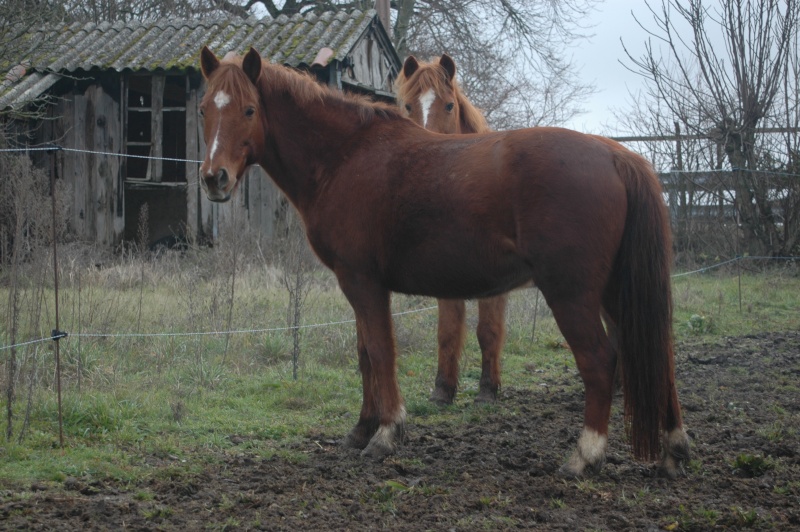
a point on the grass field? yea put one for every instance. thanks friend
(147, 370)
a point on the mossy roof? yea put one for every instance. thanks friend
(173, 45)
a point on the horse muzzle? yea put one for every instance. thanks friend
(217, 185)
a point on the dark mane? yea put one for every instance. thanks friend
(432, 75)
(303, 87)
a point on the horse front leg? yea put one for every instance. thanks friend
(368, 421)
(380, 427)
(491, 335)
(450, 335)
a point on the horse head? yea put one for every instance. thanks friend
(233, 121)
(429, 94)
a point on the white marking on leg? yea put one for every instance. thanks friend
(591, 451)
(385, 436)
(592, 445)
(388, 436)
(388, 433)
(426, 100)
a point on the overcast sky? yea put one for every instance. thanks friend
(599, 58)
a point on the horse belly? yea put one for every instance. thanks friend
(458, 269)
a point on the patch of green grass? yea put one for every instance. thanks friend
(186, 399)
(143, 496)
(751, 465)
(777, 432)
(699, 324)
(557, 504)
(697, 518)
(494, 501)
(158, 512)
(422, 407)
(745, 518)
(788, 488)
(695, 467)
(769, 302)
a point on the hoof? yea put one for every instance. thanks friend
(442, 397)
(358, 437)
(577, 467)
(384, 443)
(675, 454)
(486, 397)
(588, 457)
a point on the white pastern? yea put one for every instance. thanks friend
(426, 100)
(387, 434)
(592, 445)
(591, 451)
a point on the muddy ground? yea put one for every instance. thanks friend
(494, 471)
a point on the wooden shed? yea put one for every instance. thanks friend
(122, 106)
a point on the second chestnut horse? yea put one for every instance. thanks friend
(429, 94)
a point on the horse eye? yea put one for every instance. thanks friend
(201, 112)
(250, 112)
(408, 107)
(449, 106)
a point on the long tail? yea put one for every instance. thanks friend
(644, 304)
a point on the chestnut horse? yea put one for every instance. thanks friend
(428, 93)
(392, 207)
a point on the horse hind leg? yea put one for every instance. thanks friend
(451, 343)
(675, 441)
(675, 445)
(491, 335)
(596, 360)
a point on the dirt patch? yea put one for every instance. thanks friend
(495, 470)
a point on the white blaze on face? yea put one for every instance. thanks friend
(426, 100)
(221, 99)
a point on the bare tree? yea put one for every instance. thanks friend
(122, 10)
(297, 263)
(727, 73)
(26, 229)
(19, 18)
(512, 54)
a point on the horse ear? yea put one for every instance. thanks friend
(208, 62)
(251, 64)
(410, 66)
(449, 66)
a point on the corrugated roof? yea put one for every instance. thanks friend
(175, 45)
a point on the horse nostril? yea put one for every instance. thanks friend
(222, 178)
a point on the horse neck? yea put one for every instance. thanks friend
(470, 118)
(304, 139)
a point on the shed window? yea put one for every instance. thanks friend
(156, 128)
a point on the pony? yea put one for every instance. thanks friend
(389, 207)
(429, 94)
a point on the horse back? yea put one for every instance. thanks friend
(442, 212)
